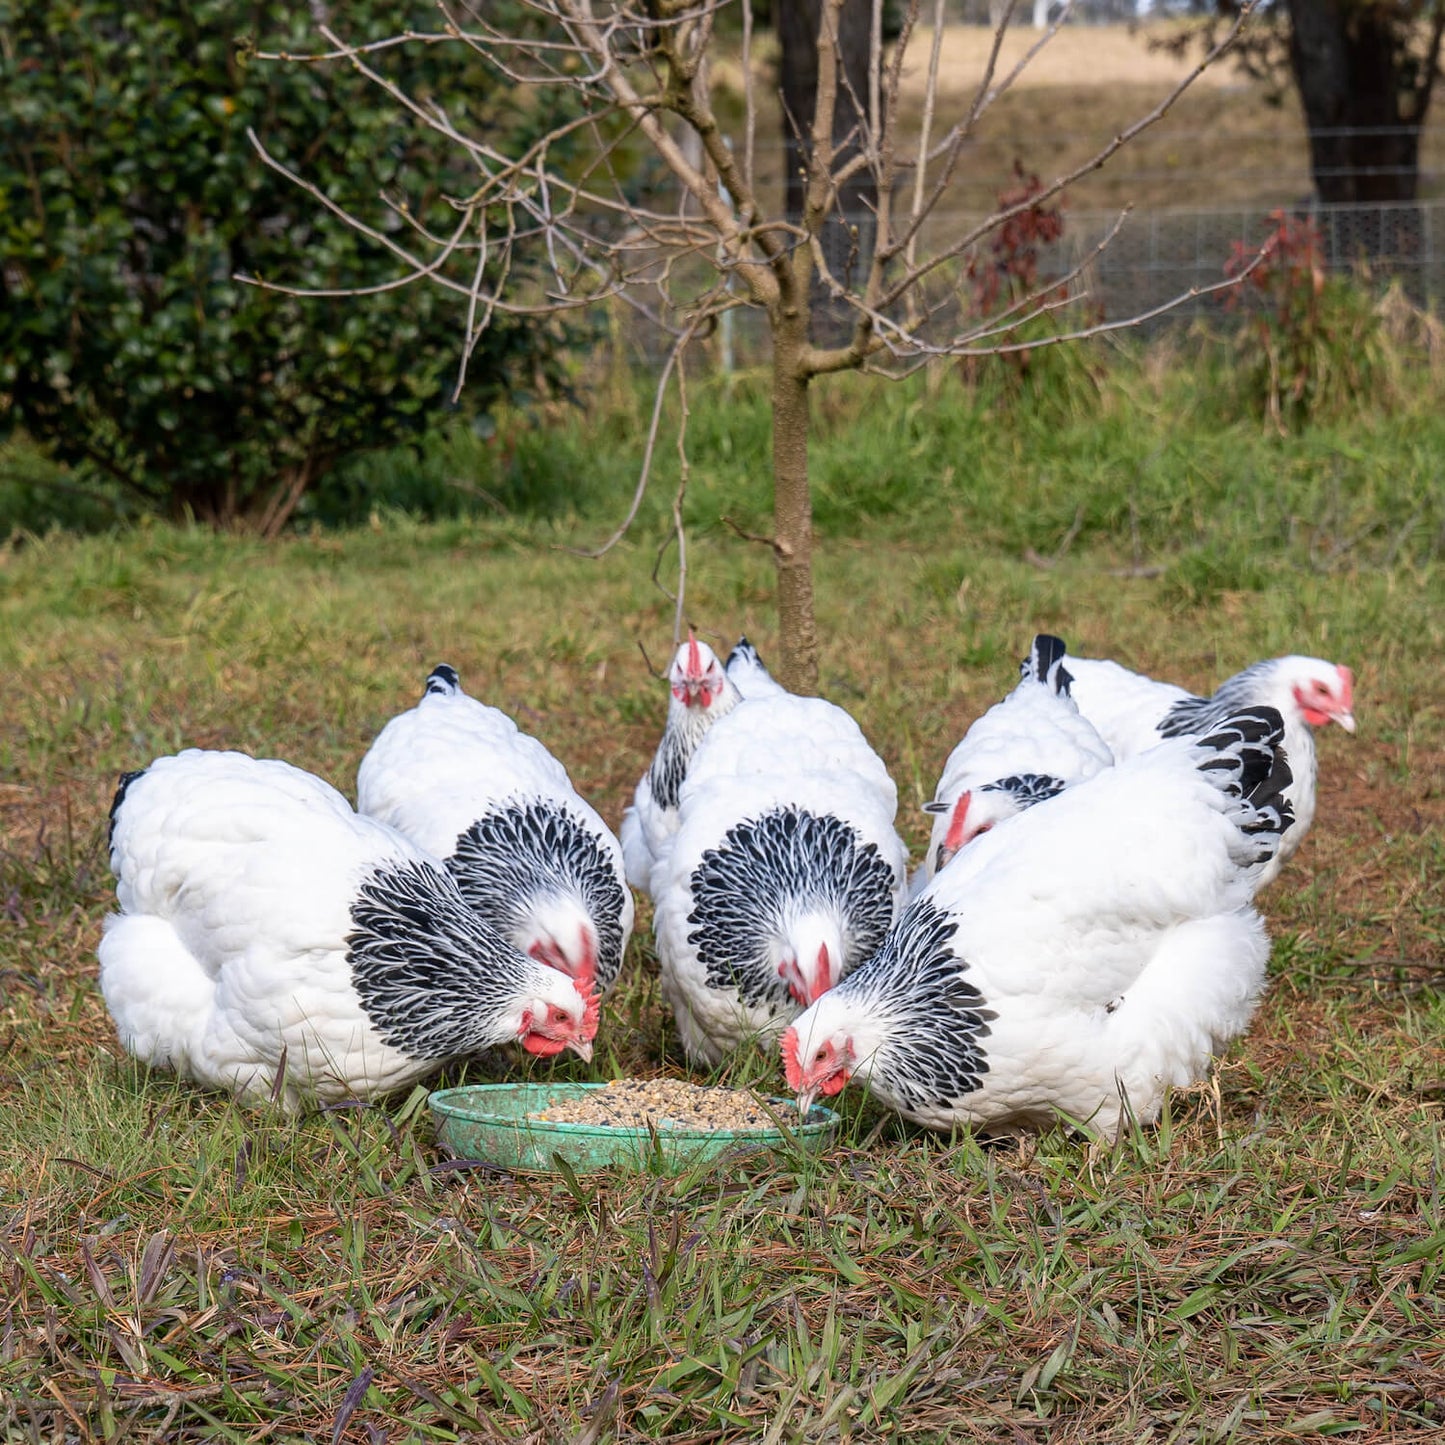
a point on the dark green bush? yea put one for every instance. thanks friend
(130, 197)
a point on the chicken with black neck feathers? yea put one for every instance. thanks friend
(270, 940)
(701, 693)
(1077, 960)
(1133, 713)
(785, 871)
(527, 851)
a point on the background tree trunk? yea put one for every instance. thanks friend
(1365, 95)
(792, 505)
(1360, 107)
(847, 238)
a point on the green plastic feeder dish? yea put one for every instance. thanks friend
(491, 1123)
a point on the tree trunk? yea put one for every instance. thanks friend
(792, 504)
(1343, 56)
(847, 236)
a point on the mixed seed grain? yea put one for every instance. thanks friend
(663, 1103)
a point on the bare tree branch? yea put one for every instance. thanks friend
(914, 274)
(645, 472)
(574, 216)
(683, 473)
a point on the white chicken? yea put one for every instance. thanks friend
(527, 851)
(784, 874)
(701, 693)
(271, 940)
(1133, 712)
(748, 673)
(1080, 959)
(1027, 748)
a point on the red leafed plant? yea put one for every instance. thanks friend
(1310, 329)
(1007, 271)
(1292, 264)
(1010, 268)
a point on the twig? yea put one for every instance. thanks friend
(645, 471)
(677, 499)
(1046, 563)
(780, 549)
(913, 274)
(642, 648)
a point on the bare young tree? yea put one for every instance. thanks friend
(637, 76)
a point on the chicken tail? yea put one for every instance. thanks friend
(1045, 664)
(442, 681)
(126, 779)
(749, 673)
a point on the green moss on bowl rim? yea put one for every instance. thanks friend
(490, 1122)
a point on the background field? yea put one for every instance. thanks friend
(1265, 1265)
(1229, 139)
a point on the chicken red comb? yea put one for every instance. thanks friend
(791, 1067)
(694, 657)
(1347, 685)
(954, 841)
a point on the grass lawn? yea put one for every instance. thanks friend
(1264, 1265)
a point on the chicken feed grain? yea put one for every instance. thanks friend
(662, 1103)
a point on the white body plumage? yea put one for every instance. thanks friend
(265, 928)
(1080, 959)
(785, 871)
(531, 855)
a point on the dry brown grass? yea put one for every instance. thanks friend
(1093, 55)
(1227, 141)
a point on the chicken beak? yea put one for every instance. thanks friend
(1346, 720)
(805, 1101)
(582, 1048)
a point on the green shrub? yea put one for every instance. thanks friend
(130, 198)
(525, 467)
(1313, 341)
(39, 495)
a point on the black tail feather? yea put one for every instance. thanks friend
(1046, 655)
(745, 655)
(126, 779)
(442, 680)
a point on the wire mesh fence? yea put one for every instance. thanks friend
(1161, 264)
(1161, 255)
